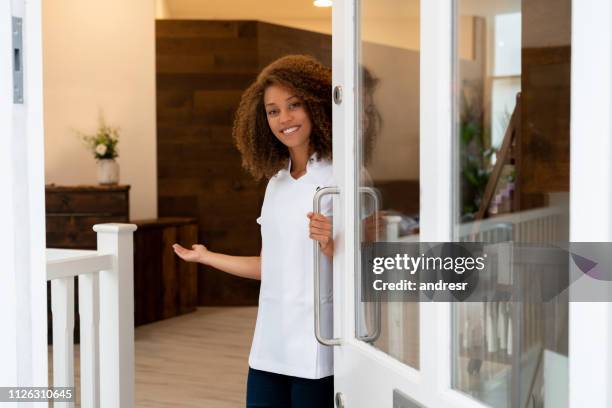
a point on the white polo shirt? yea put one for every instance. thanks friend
(284, 340)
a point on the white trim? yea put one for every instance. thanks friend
(436, 175)
(33, 80)
(436, 121)
(590, 325)
(8, 298)
(342, 75)
(24, 306)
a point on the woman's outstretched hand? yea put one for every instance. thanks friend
(320, 229)
(196, 254)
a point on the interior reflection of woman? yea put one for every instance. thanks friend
(283, 131)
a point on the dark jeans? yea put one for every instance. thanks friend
(271, 390)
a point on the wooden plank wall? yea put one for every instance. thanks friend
(202, 69)
(546, 93)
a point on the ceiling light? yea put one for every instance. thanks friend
(322, 3)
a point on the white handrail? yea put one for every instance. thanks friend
(62, 263)
(489, 224)
(547, 229)
(106, 313)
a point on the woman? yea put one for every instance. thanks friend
(283, 131)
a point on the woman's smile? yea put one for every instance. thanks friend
(290, 130)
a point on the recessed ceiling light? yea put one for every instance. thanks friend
(322, 3)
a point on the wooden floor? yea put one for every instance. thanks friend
(196, 360)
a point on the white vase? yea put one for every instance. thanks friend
(108, 171)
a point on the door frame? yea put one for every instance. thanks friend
(590, 324)
(23, 280)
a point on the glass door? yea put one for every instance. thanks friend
(393, 128)
(451, 123)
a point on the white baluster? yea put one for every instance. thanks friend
(117, 316)
(395, 310)
(392, 227)
(62, 308)
(467, 332)
(89, 314)
(509, 334)
(502, 317)
(491, 329)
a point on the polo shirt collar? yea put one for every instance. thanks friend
(314, 158)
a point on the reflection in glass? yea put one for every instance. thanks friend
(388, 158)
(513, 76)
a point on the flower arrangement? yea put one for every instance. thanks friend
(103, 144)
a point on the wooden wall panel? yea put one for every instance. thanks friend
(545, 138)
(276, 41)
(545, 99)
(202, 69)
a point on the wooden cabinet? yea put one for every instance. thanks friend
(72, 211)
(164, 284)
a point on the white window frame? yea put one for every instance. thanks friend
(590, 324)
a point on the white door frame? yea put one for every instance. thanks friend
(23, 282)
(590, 325)
(591, 218)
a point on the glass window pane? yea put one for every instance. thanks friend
(388, 157)
(513, 111)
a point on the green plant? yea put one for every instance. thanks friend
(475, 150)
(103, 144)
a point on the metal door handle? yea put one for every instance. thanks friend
(316, 208)
(316, 205)
(377, 309)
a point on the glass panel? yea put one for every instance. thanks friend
(513, 75)
(387, 162)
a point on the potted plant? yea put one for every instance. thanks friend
(103, 145)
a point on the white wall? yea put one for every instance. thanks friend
(101, 55)
(396, 150)
(161, 9)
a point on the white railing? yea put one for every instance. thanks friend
(549, 224)
(540, 225)
(543, 225)
(106, 316)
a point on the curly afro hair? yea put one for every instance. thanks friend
(263, 155)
